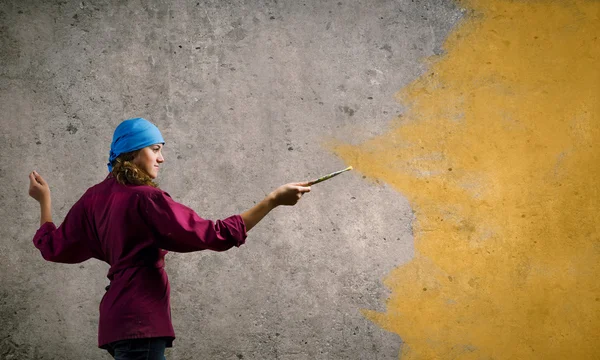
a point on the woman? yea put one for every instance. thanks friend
(128, 222)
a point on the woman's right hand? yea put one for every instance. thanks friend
(289, 194)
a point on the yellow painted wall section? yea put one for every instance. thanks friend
(499, 157)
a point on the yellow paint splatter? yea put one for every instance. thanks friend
(499, 157)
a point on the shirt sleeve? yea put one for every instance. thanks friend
(180, 229)
(69, 242)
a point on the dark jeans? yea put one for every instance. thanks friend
(138, 349)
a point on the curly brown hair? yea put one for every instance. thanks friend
(126, 172)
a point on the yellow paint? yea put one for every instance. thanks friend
(499, 157)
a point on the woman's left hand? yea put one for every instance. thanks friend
(38, 187)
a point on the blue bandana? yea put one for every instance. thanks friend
(131, 135)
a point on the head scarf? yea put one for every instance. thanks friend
(131, 135)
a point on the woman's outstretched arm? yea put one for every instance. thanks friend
(287, 194)
(179, 228)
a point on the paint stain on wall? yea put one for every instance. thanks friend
(499, 157)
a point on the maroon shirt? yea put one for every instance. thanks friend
(131, 227)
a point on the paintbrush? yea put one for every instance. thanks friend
(327, 177)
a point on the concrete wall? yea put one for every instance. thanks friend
(474, 196)
(248, 95)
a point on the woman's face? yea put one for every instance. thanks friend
(149, 159)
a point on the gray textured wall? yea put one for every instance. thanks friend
(245, 93)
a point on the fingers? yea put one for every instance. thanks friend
(33, 181)
(304, 189)
(302, 183)
(303, 186)
(300, 188)
(38, 178)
